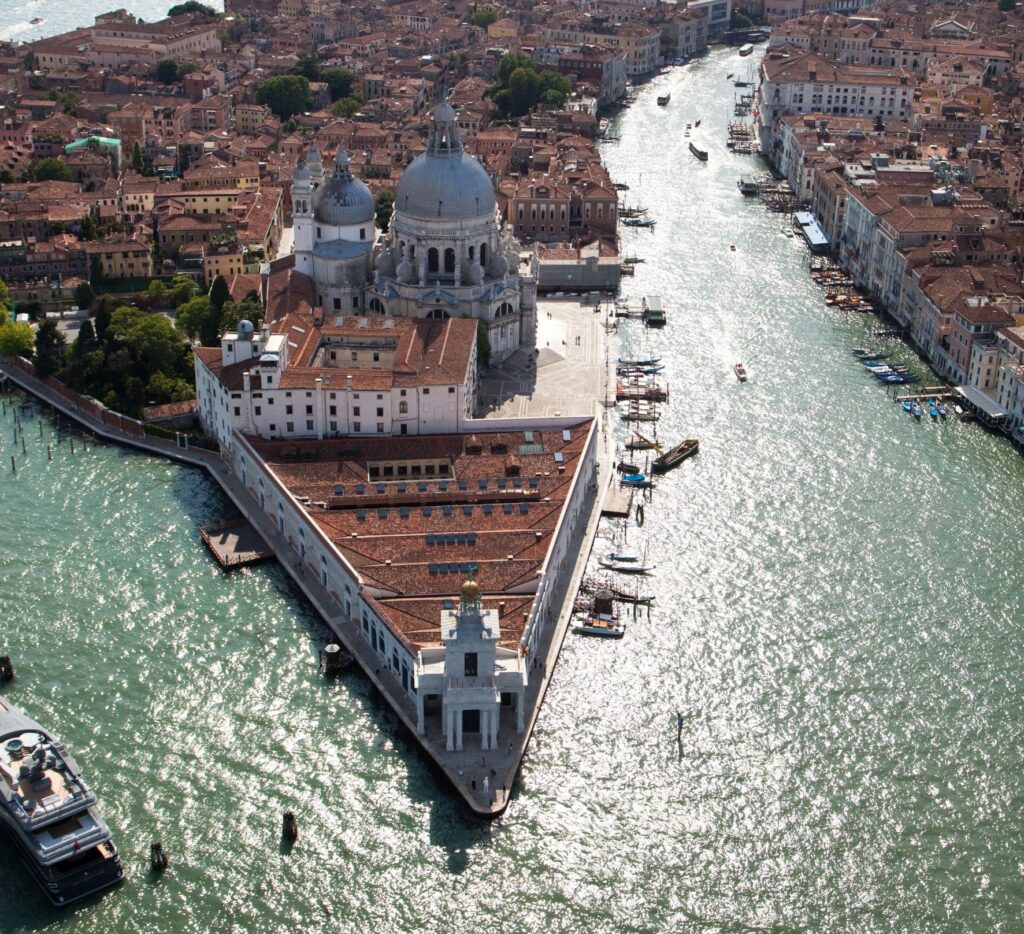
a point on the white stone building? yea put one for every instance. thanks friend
(446, 255)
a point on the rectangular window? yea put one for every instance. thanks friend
(258, 410)
(469, 663)
(238, 411)
(380, 412)
(355, 411)
(309, 425)
(290, 426)
(287, 410)
(451, 390)
(356, 427)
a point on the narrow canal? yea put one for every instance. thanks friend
(839, 622)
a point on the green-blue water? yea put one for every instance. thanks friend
(839, 621)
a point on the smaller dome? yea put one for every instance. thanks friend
(470, 592)
(301, 176)
(343, 200)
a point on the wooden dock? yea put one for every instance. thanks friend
(236, 543)
(618, 502)
(641, 392)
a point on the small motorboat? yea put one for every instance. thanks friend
(857, 351)
(958, 410)
(915, 409)
(601, 625)
(907, 406)
(728, 77)
(634, 479)
(625, 567)
(36, 20)
(621, 556)
(663, 99)
(932, 411)
(873, 355)
(741, 372)
(696, 124)
(941, 410)
(625, 467)
(701, 154)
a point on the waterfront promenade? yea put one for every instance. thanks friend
(466, 770)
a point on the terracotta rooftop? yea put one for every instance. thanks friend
(414, 538)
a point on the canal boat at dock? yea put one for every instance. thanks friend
(639, 361)
(49, 812)
(602, 619)
(701, 154)
(626, 567)
(675, 456)
(654, 313)
(747, 185)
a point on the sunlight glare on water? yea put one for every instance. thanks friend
(838, 621)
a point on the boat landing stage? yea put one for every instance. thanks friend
(235, 543)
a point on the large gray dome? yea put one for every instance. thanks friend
(444, 182)
(343, 200)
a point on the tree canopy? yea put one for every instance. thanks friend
(49, 169)
(16, 340)
(133, 358)
(191, 6)
(285, 95)
(347, 107)
(521, 86)
(385, 208)
(49, 349)
(483, 17)
(166, 72)
(339, 81)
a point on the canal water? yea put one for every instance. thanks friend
(839, 625)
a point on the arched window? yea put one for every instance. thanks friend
(432, 265)
(403, 408)
(401, 249)
(504, 309)
(376, 306)
(471, 249)
(449, 261)
(483, 254)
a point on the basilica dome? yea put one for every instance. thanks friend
(444, 182)
(343, 200)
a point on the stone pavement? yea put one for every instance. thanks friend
(569, 372)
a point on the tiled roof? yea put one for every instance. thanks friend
(413, 538)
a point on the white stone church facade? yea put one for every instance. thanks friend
(445, 255)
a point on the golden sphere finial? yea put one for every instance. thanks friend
(470, 592)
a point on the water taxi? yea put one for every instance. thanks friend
(747, 49)
(663, 99)
(741, 372)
